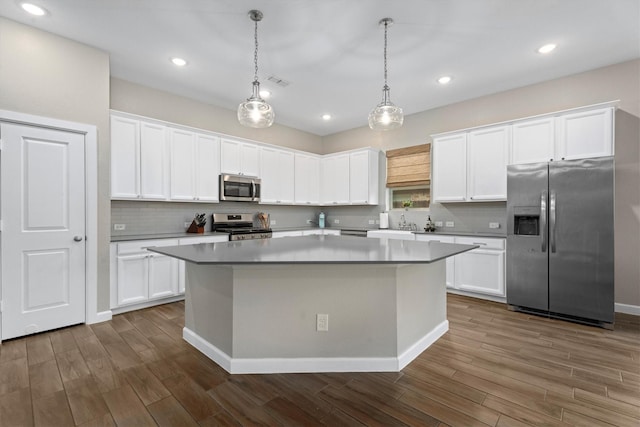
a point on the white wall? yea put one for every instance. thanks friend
(47, 75)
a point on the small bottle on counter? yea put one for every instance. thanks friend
(321, 220)
(429, 226)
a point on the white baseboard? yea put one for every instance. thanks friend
(627, 309)
(313, 364)
(102, 316)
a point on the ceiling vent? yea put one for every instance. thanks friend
(277, 80)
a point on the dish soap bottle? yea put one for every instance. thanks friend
(321, 220)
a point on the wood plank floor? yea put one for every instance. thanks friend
(494, 367)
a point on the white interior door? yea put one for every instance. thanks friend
(42, 187)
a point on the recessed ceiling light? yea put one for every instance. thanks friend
(179, 62)
(326, 117)
(444, 80)
(33, 9)
(547, 48)
(265, 93)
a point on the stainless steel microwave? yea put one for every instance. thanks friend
(239, 188)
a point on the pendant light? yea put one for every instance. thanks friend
(386, 115)
(255, 112)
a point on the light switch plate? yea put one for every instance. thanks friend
(119, 227)
(438, 223)
(449, 224)
(371, 222)
(273, 222)
(494, 225)
(336, 221)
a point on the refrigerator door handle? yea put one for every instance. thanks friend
(552, 221)
(543, 220)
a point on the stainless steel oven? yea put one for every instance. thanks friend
(240, 226)
(239, 188)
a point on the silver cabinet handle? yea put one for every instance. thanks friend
(543, 220)
(552, 221)
(77, 239)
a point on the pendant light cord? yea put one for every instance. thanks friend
(385, 54)
(255, 52)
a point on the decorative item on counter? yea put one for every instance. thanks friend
(430, 226)
(198, 223)
(264, 220)
(321, 220)
(384, 220)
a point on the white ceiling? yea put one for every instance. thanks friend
(331, 50)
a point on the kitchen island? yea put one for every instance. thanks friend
(256, 306)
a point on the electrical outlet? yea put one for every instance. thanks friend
(119, 227)
(322, 322)
(336, 221)
(449, 224)
(309, 221)
(438, 223)
(273, 222)
(494, 225)
(187, 224)
(371, 222)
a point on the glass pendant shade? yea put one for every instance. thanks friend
(386, 115)
(255, 112)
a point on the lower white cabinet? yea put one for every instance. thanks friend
(320, 232)
(290, 233)
(140, 275)
(481, 270)
(392, 234)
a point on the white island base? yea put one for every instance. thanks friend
(261, 318)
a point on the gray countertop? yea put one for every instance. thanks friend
(315, 250)
(177, 235)
(462, 233)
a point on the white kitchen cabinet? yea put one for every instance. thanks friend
(182, 270)
(307, 179)
(195, 166)
(487, 158)
(277, 174)
(449, 168)
(320, 232)
(533, 141)
(334, 182)
(585, 134)
(239, 158)
(450, 261)
(140, 275)
(289, 233)
(481, 270)
(139, 159)
(391, 234)
(363, 177)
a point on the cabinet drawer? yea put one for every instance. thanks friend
(483, 242)
(142, 245)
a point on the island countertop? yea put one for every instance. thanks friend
(315, 250)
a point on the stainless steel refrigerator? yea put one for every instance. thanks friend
(560, 239)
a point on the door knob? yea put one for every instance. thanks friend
(77, 239)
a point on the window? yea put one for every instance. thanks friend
(409, 177)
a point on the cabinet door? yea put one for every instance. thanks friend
(270, 175)
(183, 155)
(163, 276)
(250, 159)
(480, 271)
(153, 161)
(287, 177)
(450, 168)
(230, 157)
(207, 168)
(363, 178)
(132, 279)
(532, 141)
(585, 134)
(125, 158)
(306, 179)
(487, 156)
(334, 183)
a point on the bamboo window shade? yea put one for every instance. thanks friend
(409, 166)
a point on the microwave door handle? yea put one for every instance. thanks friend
(253, 190)
(543, 220)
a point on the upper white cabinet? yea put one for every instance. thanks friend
(307, 179)
(277, 175)
(239, 158)
(334, 182)
(195, 166)
(577, 135)
(363, 177)
(139, 159)
(450, 168)
(487, 158)
(533, 141)
(585, 134)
